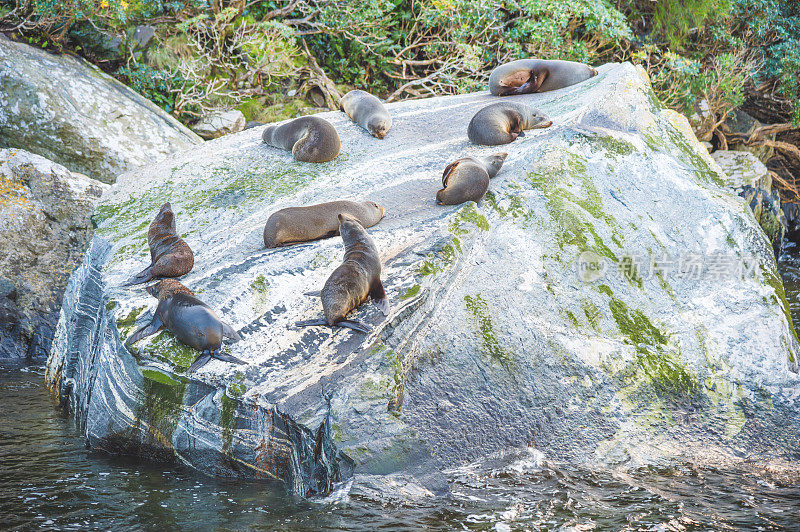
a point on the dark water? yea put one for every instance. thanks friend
(49, 481)
(789, 266)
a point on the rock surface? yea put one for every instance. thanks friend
(215, 125)
(494, 339)
(749, 178)
(44, 230)
(64, 109)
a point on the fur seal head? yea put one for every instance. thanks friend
(494, 162)
(165, 217)
(351, 230)
(167, 288)
(377, 127)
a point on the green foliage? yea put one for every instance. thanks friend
(359, 39)
(676, 20)
(579, 30)
(209, 55)
(158, 86)
(773, 28)
(373, 43)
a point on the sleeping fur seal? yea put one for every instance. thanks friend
(190, 320)
(502, 122)
(302, 224)
(357, 278)
(467, 179)
(367, 111)
(170, 256)
(310, 138)
(525, 76)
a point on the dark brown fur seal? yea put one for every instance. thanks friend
(467, 179)
(501, 123)
(537, 75)
(170, 256)
(311, 139)
(190, 320)
(302, 224)
(367, 111)
(357, 278)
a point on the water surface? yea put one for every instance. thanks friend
(48, 480)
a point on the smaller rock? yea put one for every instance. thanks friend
(215, 125)
(252, 123)
(44, 229)
(142, 35)
(743, 124)
(750, 179)
(742, 169)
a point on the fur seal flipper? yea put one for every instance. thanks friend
(502, 122)
(206, 357)
(303, 224)
(350, 324)
(170, 256)
(367, 111)
(467, 179)
(356, 279)
(526, 76)
(311, 139)
(190, 320)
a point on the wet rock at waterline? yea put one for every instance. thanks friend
(215, 125)
(749, 178)
(44, 231)
(64, 109)
(531, 319)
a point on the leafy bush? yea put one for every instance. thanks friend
(158, 86)
(218, 54)
(773, 28)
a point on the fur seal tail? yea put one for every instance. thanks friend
(141, 277)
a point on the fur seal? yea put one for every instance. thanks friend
(367, 111)
(358, 277)
(310, 138)
(190, 320)
(525, 76)
(170, 256)
(501, 123)
(467, 179)
(302, 224)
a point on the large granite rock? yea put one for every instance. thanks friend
(44, 230)
(64, 109)
(532, 319)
